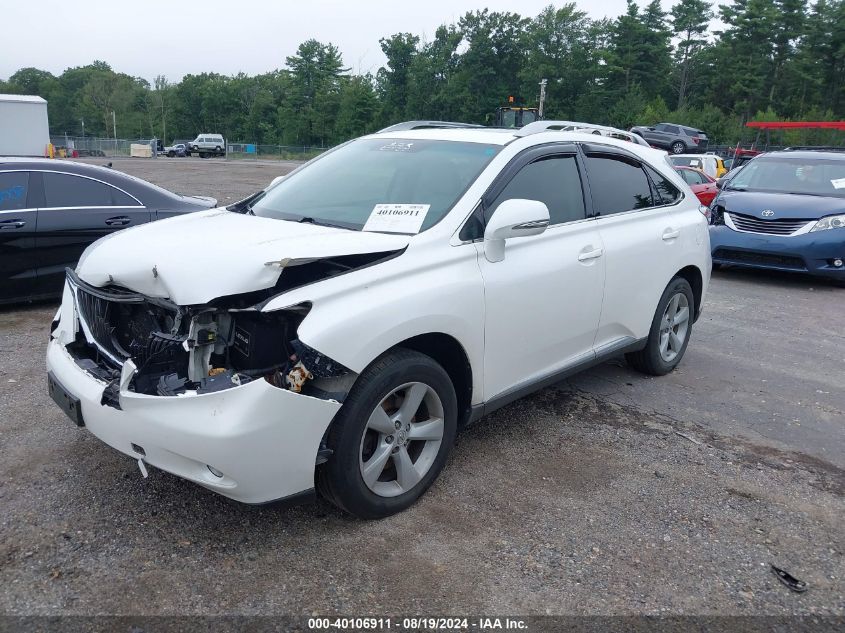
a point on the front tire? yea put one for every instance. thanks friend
(678, 147)
(392, 436)
(670, 331)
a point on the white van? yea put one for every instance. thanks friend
(205, 144)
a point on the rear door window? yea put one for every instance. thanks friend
(68, 190)
(671, 129)
(14, 188)
(617, 184)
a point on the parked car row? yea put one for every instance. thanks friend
(204, 145)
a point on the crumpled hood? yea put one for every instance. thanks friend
(194, 258)
(785, 206)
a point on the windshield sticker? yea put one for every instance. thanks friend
(398, 146)
(397, 218)
(839, 183)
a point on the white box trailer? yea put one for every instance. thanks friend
(24, 130)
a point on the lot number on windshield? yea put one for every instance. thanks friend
(397, 218)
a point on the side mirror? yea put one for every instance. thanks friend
(720, 182)
(511, 219)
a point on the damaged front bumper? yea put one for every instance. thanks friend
(254, 442)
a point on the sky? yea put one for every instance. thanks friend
(146, 38)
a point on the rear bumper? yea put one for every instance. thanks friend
(809, 253)
(264, 440)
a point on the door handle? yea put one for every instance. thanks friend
(671, 234)
(5, 225)
(593, 254)
(120, 220)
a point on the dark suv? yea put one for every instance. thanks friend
(675, 138)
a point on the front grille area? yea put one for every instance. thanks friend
(771, 227)
(759, 259)
(124, 326)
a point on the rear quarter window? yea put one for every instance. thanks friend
(68, 190)
(665, 192)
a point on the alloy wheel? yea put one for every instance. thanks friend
(402, 439)
(674, 326)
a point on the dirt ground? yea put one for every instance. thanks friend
(610, 493)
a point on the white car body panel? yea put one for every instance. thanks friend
(539, 311)
(638, 270)
(197, 257)
(356, 321)
(541, 286)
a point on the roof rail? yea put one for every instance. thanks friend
(562, 126)
(426, 125)
(579, 126)
(814, 148)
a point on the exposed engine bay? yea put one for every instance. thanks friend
(179, 350)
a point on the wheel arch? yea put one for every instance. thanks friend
(696, 281)
(448, 352)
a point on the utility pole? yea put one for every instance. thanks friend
(83, 127)
(543, 84)
(114, 126)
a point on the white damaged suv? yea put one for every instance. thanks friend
(335, 331)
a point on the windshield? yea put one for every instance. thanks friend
(817, 177)
(402, 178)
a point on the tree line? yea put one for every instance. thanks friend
(770, 60)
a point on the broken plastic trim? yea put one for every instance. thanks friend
(798, 586)
(297, 273)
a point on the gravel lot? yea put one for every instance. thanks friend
(611, 493)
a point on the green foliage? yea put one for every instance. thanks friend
(774, 60)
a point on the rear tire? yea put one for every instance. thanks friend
(670, 331)
(678, 147)
(400, 464)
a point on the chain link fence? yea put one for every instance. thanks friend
(254, 151)
(70, 146)
(93, 146)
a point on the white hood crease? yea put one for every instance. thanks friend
(194, 258)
